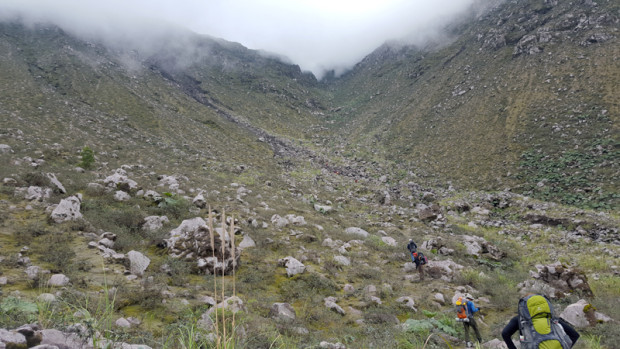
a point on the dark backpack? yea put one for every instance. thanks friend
(539, 327)
(420, 257)
(412, 247)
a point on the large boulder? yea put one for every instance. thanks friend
(290, 219)
(445, 270)
(5, 149)
(120, 181)
(67, 210)
(356, 231)
(52, 177)
(330, 303)
(582, 314)
(282, 312)
(58, 280)
(428, 213)
(233, 304)
(12, 339)
(154, 223)
(246, 242)
(199, 201)
(34, 193)
(137, 262)
(64, 340)
(292, 265)
(478, 246)
(192, 241)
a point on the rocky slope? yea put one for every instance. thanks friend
(523, 96)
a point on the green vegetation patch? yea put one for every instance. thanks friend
(568, 177)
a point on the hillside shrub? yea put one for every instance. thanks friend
(567, 177)
(88, 158)
(56, 249)
(307, 286)
(173, 206)
(26, 234)
(179, 271)
(37, 179)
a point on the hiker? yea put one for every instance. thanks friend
(417, 257)
(412, 247)
(536, 323)
(465, 312)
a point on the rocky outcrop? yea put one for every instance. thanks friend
(120, 181)
(557, 281)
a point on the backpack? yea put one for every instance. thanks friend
(539, 327)
(462, 313)
(422, 258)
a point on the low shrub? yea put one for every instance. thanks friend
(307, 286)
(37, 179)
(56, 249)
(15, 312)
(26, 234)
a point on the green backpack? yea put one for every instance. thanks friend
(539, 327)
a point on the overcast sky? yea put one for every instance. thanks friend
(317, 35)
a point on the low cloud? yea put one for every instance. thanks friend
(317, 35)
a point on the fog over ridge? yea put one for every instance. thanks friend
(318, 35)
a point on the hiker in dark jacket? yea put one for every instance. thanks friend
(413, 251)
(471, 310)
(513, 326)
(412, 247)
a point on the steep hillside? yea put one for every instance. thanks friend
(57, 89)
(524, 96)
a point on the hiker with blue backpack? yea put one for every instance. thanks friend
(417, 257)
(465, 310)
(538, 327)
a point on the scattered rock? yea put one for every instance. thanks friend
(58, 280)
(292, 265)
(247, 242)
(330, 303)
(282, 312)
(356, 231)
(137, 262)
(121, 196)
(154, 223)
(68, 209)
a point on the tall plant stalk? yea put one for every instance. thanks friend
(211, 235)
(234, 261)
(223, 241)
